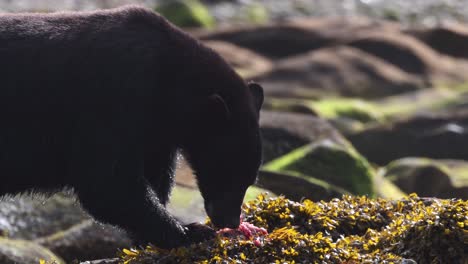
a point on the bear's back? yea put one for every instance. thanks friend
(56, 67)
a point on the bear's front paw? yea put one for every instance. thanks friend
(197, 232)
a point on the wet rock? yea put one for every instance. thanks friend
(59, 224)
(14, 251)
(244, 61)
(440, 136)
(430, 178)
(336, 71)
(284, 132)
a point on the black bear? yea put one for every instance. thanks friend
(102, 102)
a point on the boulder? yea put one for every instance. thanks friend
(440, 136)
(339, 71)
(284, 132)
(430, 178)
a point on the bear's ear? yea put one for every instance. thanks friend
(257, 92)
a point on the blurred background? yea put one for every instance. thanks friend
(428, 12)
(363, 97)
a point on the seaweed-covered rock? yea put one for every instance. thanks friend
(355, 109)
(244, 61)
(324, 160)
(440, 136)
(25, 252)
(186, 13)
(337, 70)
(426, 177)
(284, 132)
(347, 230)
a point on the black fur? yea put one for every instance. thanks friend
(101, 101)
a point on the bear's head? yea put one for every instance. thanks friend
(225, 151)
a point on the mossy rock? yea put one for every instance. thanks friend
(284, 132)
(327, 161)
(25, 252)
(355, 109)
(186, 13)
(428, 177)
(432, 135)
(297, 186)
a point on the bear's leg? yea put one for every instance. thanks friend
(159, 171)
(128, 205)
(106, 170)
